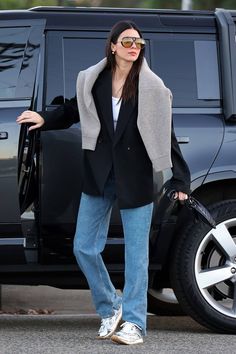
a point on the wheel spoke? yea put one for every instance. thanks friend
(234, 299)
(207, 278)
(224, 239)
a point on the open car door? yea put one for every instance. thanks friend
(20, 50)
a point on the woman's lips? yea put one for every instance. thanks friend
(133, 53)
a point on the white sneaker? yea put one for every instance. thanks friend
(129, 334)
(109, 324)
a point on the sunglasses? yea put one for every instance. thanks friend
(127, 42)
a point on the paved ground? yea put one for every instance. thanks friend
(72, 328)
(59, 301)
(68, 334)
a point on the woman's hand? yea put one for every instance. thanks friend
(181, 196)
(32, 118)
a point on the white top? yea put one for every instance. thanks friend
(116, 103)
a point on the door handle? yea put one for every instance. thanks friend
(183, 139)
(3, 135)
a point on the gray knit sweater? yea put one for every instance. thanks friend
(154, 113)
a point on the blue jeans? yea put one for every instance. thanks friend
(90, 239)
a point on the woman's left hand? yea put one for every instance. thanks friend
(181, 196)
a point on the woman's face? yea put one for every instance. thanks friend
(127, 54)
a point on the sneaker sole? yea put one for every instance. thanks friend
(107, 336)
(118, 339)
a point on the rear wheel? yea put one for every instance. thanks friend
(204, 270)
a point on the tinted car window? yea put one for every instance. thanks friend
(189, 68)
(12, 48)
(79, 54)
(74, 52)
(207, 70)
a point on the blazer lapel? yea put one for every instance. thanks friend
(125, 113)
(103, 93)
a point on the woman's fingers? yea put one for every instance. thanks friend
(31, 117)
(26, 115)
(35, 126)
(181, 196)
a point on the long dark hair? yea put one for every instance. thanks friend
(131, 84)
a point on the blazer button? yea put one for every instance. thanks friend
(99, 141)
(128, 148)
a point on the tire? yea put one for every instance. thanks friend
(203, 272)
(163, 302)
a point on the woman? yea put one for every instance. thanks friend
(125, 114)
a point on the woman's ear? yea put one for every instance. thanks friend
(113, 47)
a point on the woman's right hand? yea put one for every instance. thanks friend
(32, 118)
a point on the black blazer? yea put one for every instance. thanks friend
(121, 151)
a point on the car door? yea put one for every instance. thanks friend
(188, 64)
(21, 41)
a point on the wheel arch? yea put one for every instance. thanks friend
(216, 189)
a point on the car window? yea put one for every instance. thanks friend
(20, 46)
(189, 67)
(187, 64)
(79, 54)
(74, 52)
(12, 47)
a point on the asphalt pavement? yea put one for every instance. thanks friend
(72, 327)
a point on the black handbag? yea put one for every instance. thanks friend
(199, 210)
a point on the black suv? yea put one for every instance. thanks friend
(41, 52)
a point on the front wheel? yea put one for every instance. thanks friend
(203, 273)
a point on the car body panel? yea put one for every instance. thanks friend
(176, 44)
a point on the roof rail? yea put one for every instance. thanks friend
(57, 8)
(86, 8)
(227, 46)
(71, 9)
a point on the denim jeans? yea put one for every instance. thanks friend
(90, 239)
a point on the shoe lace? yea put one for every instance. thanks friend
(105, 322)
(130, 327)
